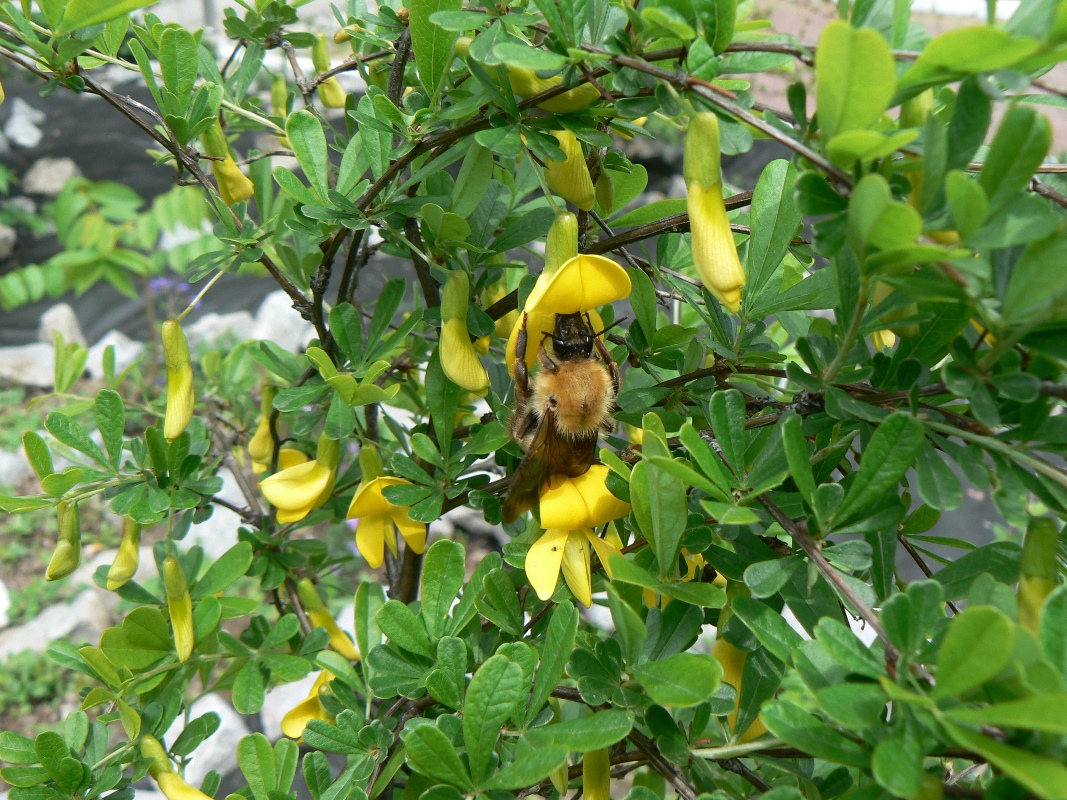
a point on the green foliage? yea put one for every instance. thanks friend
(776, 467)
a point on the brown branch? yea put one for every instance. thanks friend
(350, 63)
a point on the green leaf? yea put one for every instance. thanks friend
(404, 629)
(111, 422)
(83, 13)
(442, 578)
(628, 625)
(16, 748)
(559, 644)
(706, 595)
(1045, 777)
(967, 51)
(683, 679)
(968, 202)
(305, 133)
(658, 499)
(1021, 144)
(38, 454)
(592, 732)
(800, 729)
(855, 76)
(431, 44)
(529, 769)
(248, 691)
(798, 456)
(70, 433)
(728, 422)
(178, 60)
(938, 485)
(142, 640)
(230, 566)
(888, 455)
(897, 763)
(256, 760)
(775, 220)
(769, 627)
(999, 559)
(494, 691)
(430, 752)
(1042, 712)
(472, 182)
(976, 648)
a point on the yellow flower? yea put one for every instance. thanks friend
(261, 445)
(170, 782)
(733, 660)
(68, 553)
(180, 397)
(378, 518)
(294, 722)
(125, 564)
(714, 252)
(321, 617)
(570, 178)
(582, 502)
(567, 550)
(298, 490)
(180, 607)
(234, 185)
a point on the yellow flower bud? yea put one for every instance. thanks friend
(320, 54)
(561, 245)
(261, 445)
(605, 192)
(525, 82)
(342, 35)
(180, 607)
(570, 178)
(596, 775)
(331, 94)
(702, 162)
(234, 185)
(125, 564)
(174, 787)
(732, 660)
(279, 102)
(180, 396)
(491, 295)
(156, 755)
(1037, 571)
(321, 617)
(68, 553)
(459, 360)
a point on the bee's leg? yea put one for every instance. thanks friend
(613, 368)
(546, 362)
(522, 375)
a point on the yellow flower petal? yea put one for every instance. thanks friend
(582, 284)
(582, 502)
(369, 500)
(459, 360)
(370, 538)
(604, 550)
(570, 178)
(294, 722)
(576, 568)
(339, 641)
(714, 252)
(543, 562)
(174, 787)
(596, 775)
(414, 533)
(296, 491)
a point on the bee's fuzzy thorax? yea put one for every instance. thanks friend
(580, 393)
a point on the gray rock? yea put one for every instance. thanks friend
(127, 351)
(21, 128)
(60, 317)
(8, 239)
(5, 605)
(278, 321)
(48, 176)
(213, 327)
(28, 364)
(23, 204)
(13, 468)
(280, 701)
(218, 752)
(83, 619)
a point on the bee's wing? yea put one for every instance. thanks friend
(549, 454)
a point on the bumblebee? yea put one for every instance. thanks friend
(559, 411)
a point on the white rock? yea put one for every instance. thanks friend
(219, 751)
(280, 701)
(5, 605)
(8, 239)
(28, 364)
(278, 321)
(48, 176)
(60, 317)
(81, 620)
(218, 534)
(21, 128)
(13, 468)
(23, 204)
(212, 327)
(126, 352)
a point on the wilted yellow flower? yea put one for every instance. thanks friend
(125, 564)
(459, 360)
(180, 397)
(714, 252)
(321, 617)
(179, 606)
(297, 718)
(170, 783)
(570, 178)
(298, 490)
(379, 519)
(567, 550)
(582, 502)
(68, 553)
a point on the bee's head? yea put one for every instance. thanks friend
(572, 337)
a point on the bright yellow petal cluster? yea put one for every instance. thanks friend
(582, 502)
(298, 490)
(379, 519)
(568, 551)
(297, 718)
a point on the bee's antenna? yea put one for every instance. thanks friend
(609, 327)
